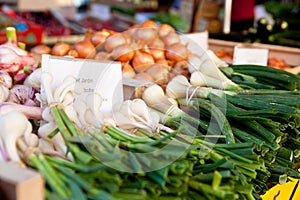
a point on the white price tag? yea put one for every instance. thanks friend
(244, 55)
(103, 78)
(197, 42)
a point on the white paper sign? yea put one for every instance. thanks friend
(197, 42)
(244, 55)
(103, 78)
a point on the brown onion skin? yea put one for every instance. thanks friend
(157, 43)
(162, 61)
(85, 49)
(148, 23)
(142, 60)
(177, 52)
(102, 55)
(73, 53)
(159, 73)
(144, 76)
(41, 49)
(99, 37)
(60, 49)
(127, 70)
(181, 68)
(123, 53)
(145, 35)
(157, 53)
(113, 41)
(165, 29)
(171, 38)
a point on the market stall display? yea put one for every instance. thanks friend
(245, 139)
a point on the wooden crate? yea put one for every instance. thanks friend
(290, 54)
(19, 183)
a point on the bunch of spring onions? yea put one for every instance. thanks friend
(200, 171)
(199, 148)
(136, 158)
(265, 112)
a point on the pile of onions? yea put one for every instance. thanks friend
(138, 48)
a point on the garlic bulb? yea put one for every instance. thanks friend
(4, 93)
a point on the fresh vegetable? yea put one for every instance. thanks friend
(11, 133)
(41, 49)
(60, 49)
(31, 112)
(199, 79)
(12, 57)
(85, 49)
(23, 94)
(224, 140)
(5, 79)
(4, 93)
(180, 87)
(142, 60)
(262, 77)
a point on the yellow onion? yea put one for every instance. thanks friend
(158, 43)
(171, 38)
(142, 60)
(102, 55)
(144, 76)
(41, 49)
(113, 41)
(73, 53)
(177, 52)
(159, 73)
(123, 53)
(165, 29)
(85, 49)
(145, 35)
(60, 49)
(99, 37)
(157, 53)
(181, 67)
(148, 23)
(162, 61)
(127, 70)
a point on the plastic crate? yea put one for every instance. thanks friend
(27, 32)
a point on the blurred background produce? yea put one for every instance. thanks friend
(144, 35)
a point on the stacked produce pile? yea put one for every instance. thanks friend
(206, 131)
(147, 51)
